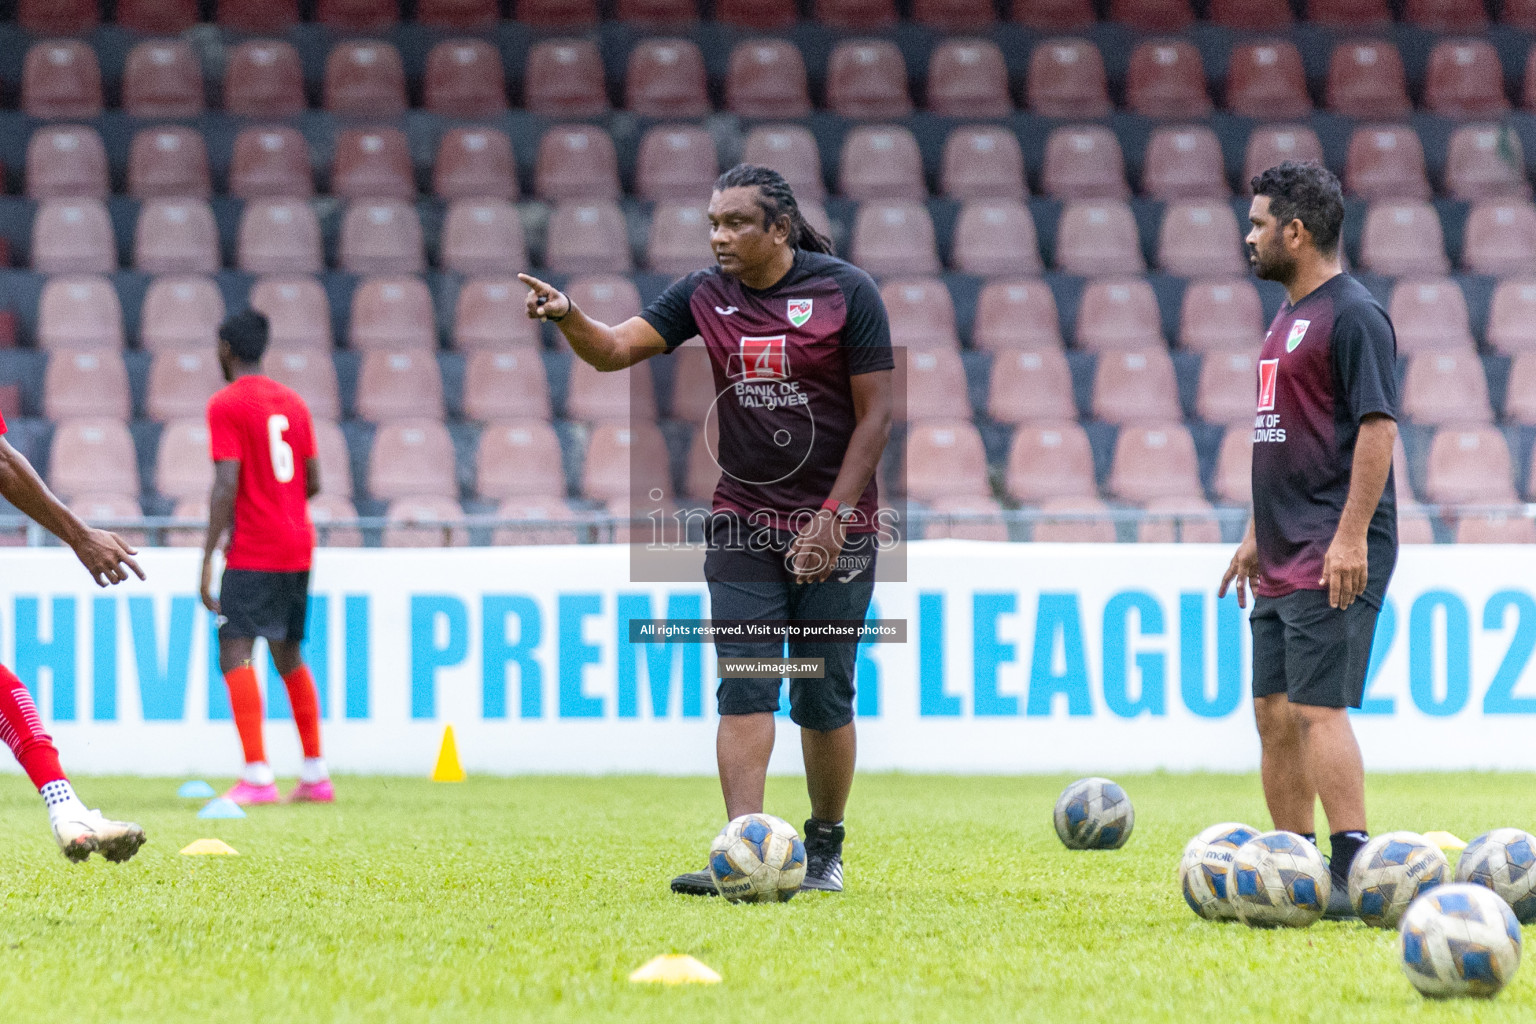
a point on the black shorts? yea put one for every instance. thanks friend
(754, 585)
(272, 605)
(1312, 653)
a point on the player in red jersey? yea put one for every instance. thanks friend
(265, 470)
(79, 831)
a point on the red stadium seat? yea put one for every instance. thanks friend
(1225, 393)
(761, 15)
(1447, 15)
(1047, 461)
(163, 78)
(176, 236)
(519, 458)
(1495, 528)
(867, 79)
(67, 161)
(1054, 15)
(157, 17)
(895, 238)
(58, 17)
(621, 452)
(270, 163)
(1232, 479)
(666, 79)
(86, 382)
(92, 456)
(658, 13)
(1500, 238)
(974, 518)
(399, 385)
(767, 78)
(358, 15)
(1366, 79)
(1184, 163)
(109, 510)
(679, 239)
(1066, 79)
(328, 509)
(1118, 314)
(1097, 238)
(258, 16)
(1167, 79)
(483, 236)
(335, 460)
(1030, 386)
(1520, 394)
(1084, 162)
(180, 312)
(921, 312)
(365, 79)
(576, 161)
(279, 236)
(1486, 162)
(312, 374)
(392, 314)
(1512, 317)
(1075, 521)
(983, 163)
(411, 458)
(297, 310)
(169, 162)
(1251, 15)
(425, 522)
(935, 385)
(1152, 462)
(1269, 146)
(457, 14)
(1136, 385)
(475, 163)
(881, 162)
(506, 385)
(1349, 14)
(381, 237)
(465, 78)
(954, 15)
(1017, 313)
(967, 78)
(1519, 14)
(489, 313)
(1465, 79)
(73, 236)
(530, 511)
(561, 14)
(676, 162)
(607, 299)
(1186, 524)
(79, 312)
(1152, 15)
(863, 15)
(1221, 314)
(945, 459)
(587, 237)
(693, 391)
(1469, 466)
(994, 237)
(1429, 315)
(263, 78)
(1403, 238)
(565, 79)
(1266, 81)
(791, 150)
(1445, 388)
(1386, 162)
(373, 163)
(180, 384)
(60, 78)
(1200, 239)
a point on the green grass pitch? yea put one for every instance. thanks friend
(533, 898)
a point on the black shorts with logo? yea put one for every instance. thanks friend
(1312, 653)
(272, 605)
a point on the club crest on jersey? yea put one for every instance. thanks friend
(799, 311)
(1298, 332)
(763, 359)
(1269, 373)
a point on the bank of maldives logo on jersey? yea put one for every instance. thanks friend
(763, 359)
(799, 311)
(1298, 332)
(1269, 373)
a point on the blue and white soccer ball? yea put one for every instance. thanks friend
(1459, 940)
(1390, 871)
(1278, 879)
(1203, 869)
(757, 858)
(1094, 814)
(1504, 860)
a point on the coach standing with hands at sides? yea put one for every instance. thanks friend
(800, 349)
(1323, 540)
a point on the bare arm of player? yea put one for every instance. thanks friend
(606, 348)
(106, 556)
(1345, 568)
(221, 515)
(311, 477)
(1244, 568)
(814, 551)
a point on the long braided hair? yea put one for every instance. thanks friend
(777, 200)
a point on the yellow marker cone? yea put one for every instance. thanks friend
(205, 846)
(1447, 842)
(448, 768)
(675, 969)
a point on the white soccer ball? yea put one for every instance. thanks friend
(1504, 860)
(1459, 940)
(1094, 814)
(757, 858)
(1278, 879)
(1390, 871)
(1203, 869)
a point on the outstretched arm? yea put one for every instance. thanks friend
(604, 347)
(221, 514)
(105, 555)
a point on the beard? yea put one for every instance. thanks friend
(1272, 264)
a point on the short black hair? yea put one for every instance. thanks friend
(1308, 192)
(246, 334)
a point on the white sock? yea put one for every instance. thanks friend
(59, 797)
(257, 773)
(314, 770)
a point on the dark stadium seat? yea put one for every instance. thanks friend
(576, 161)
(373, 163)
(1486, 162)
(1071, 527)
(666, 78)
(1446, 15)
(617, 448)
(1494, 528)
(381, 237)
(86, 382)
(1067, 79)
(79, 311)
(475, 163)
(1386, 162)
(392, 314)
(1221, 314)
(1366, 79)
(1166, 79)
(1519, 14)
(163, 78)
(954, 15)
(1184, 163)
(1349, 14)
(1265, 80)
(1520, 393)
(279, 236)
(180, 384)
(1084, 162)
(169, 162)
(425, 521)
(921, 312)
(975, 518)
(412, 458)
(894, 238)
(311, 373)
(658, 13)
(1468, 466)
(531, 510)
(1465, 79)
(1030, 386)
(325, 509)
(176, 236)
(504, 385)
(791, 150)
(61, 78)
(1096, 238)
(263, 78)
(180, 312)
(66, 161)
(982, 162)
(945, 458)
(595, 397)
(759, 15)
(93, 455)
(587, 237)
(1226, 390)
(335, 460)
(1190, 527)
(1270, 145)
(679, 239)
(1232, 477)
(365, 79)
(1016, 313)
(297, 309)
(465, 79)
(73, 236)
(457, 14)
(157, 17)
(1251, 15)
(935, 384)
(1512, 317)
(399, 385)
(489, 313)
(881, 162)
(866, 79)
(358, 15)
(1429, 315)
(483, 236)
(519, 458)
(258, 16)
(1152, 461)
(767, 78)
(1403, 238)
(1444, 388)
(1049, 460)
(968, 78)
(58, 17)
(994, 237)
(1152, 15)
(1500, 238)
(676, 162)
(861, 15)
(1136, 385)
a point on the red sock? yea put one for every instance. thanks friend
(23, 732)
(245, 702)
(305, 701)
